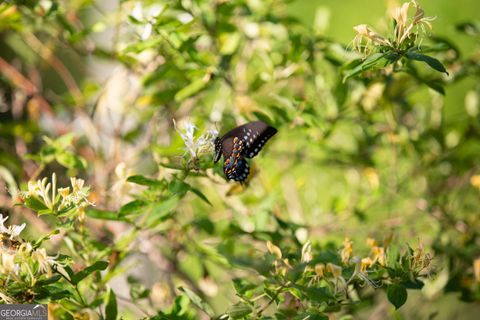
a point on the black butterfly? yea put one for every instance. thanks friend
(244, 141)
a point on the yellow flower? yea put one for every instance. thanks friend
(476, 269)
(335, 270)
(307, 255)
(475, 181)
(25, 247)
(360, 271)
(320, 269)
(347, 250)
(378, 255)
(282, 266)
(404, 29)
(33, 188)
(371, 37)
(45, 262)
(64, 192)
(372, 177)
(273, 249)
(77, 184)
(401, 15)
(371, 242)
(364, 31)
(8, 262)
(366, 263)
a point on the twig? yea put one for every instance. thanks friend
(278, 291)
(24, 84)
(47, 54)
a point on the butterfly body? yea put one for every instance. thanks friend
(242, 142)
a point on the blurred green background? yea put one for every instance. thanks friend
(379, 156)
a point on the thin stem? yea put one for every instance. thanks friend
(277, 293)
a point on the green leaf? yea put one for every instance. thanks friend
(144, 181)
(79, 276)
(431, 61)
(71, 161)
(239, 310)
(111, 309)
(178, 187)
(414, 284)
(135, 206)
(200, 194)
(141, 46)
(180, 305)
(192, 88)
(35, 204)
(393, 255)
(242, 286)
(159, 211)
(69, 272)
(316, 294)
(371, 62)
(103, 215)
(38, 243)
(61, 142)
(196, 300)
(52, 292)
(397, 295)
(52, 279)
(229, 42)
(171, 165)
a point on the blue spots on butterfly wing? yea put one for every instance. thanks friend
(241, 171)
(243, 142)
(237, 170)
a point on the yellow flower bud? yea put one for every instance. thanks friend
(371, 242)
(366, 263)
(476, 269)
(320, 269)
(335, 270)
(273, 249)
(347, 250)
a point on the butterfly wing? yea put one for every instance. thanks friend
(240, 172)
(255, 135)
(235, 166)
(242, 142)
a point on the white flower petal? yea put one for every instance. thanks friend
(137, 11)
(3, 229)
(15, 230)
(147, 31)
(155, 10)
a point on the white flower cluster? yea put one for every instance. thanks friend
(148, 16)
(203, 144)
(61, 198)
(11, 231)
(405, 27)
(17, 255)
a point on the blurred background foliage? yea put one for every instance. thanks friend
(90, 89)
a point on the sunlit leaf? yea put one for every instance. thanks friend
(196, 300)
(97, 266)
